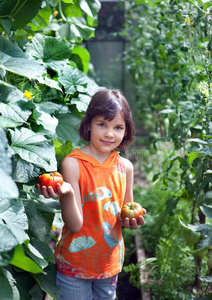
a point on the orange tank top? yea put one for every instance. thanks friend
(97, 250)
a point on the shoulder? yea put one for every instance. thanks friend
(128, 165)
(70, 164)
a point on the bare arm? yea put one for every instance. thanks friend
(129, 196)
(69, 193)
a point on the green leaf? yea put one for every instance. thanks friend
(207, 210)
(13, 223)
(84, 57)
(23, 171)
(24, 67)
(6, 291)
(34, 148)
(49, 49)
(9, 49)
(192, 156)
(14, 112)
(8, 188)
(45, 119)
(67, 129)
(90, 7)
(206, 279)
(196, 140)
(81, 102)
(24, 11)
(207, 241)
(73, 80)
(40, 212)
(75, 30)
(47, 281)
(21, 261)
(41, 20)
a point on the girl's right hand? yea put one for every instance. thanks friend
(48, 192)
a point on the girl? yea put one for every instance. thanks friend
(97, 183)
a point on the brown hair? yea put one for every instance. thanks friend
(108, 103)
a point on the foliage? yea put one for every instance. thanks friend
(44, 89)
(169, 57)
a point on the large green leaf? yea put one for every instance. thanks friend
(21, 11)
(9, 49)
(82, 58)
(81, 102)
(49, 49)
(8, 188)
(24, 171)
(24, 67)
(45, 119)
(67, 129)
(22, 261)
(47, 281)
(40, 212)
(8, 291)
(13, 223)
(73, 80)
(73, 29)
(41, 20)
(33, 148)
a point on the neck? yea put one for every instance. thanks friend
(95, 153)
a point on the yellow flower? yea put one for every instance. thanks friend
(211, 85)
(28, 95)
(55, 13)
(200, 87)
(30, 37)
(187, 20)
(206, 92)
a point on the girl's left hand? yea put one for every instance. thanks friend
(133, 224)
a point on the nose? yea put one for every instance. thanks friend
(109, 133)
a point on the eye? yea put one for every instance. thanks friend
(119, 128)
(101, 124)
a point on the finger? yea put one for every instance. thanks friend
(134, 224)
(141, 220)
(44, 192)
(51, 192)
(144, 211)
(120, 219)
(39, 189)
(127, 223)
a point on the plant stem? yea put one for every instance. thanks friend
(61, 11)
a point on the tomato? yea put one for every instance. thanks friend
(190, 236)
(132, 210)
(51, 179)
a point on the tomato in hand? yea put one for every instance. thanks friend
(51, 179)
(132, 210)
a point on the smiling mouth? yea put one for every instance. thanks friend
(107, 142)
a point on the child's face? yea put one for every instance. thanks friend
(107, 135)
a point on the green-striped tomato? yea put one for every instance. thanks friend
(51, 179)
(132, 210)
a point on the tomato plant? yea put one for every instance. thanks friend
(132, 210)
(51, 179)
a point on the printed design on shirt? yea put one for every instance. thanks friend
(120, 167)
(81, 243)
(110, 235)
(113, 207)
(96, 195)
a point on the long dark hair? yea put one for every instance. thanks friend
(108, 103)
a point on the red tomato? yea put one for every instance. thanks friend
(132, 210)
(51, 179)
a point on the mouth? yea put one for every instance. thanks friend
(107, 142)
